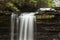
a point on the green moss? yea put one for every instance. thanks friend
(44, 16)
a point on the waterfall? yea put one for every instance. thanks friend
(25, 21)
(26, 26)
(12, 25)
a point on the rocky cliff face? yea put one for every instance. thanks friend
(4, 27)
(48, 29)
(44, 29)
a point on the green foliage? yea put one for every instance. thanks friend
(33, 3)
(49, 3)
(44, 3)
(12, 6)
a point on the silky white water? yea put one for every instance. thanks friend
(12, 25)
(26, 26)
(25, 21)
(14, 22)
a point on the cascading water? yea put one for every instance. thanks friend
(14, 20)
(12, 25)
(26, 21)
(24, 24)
